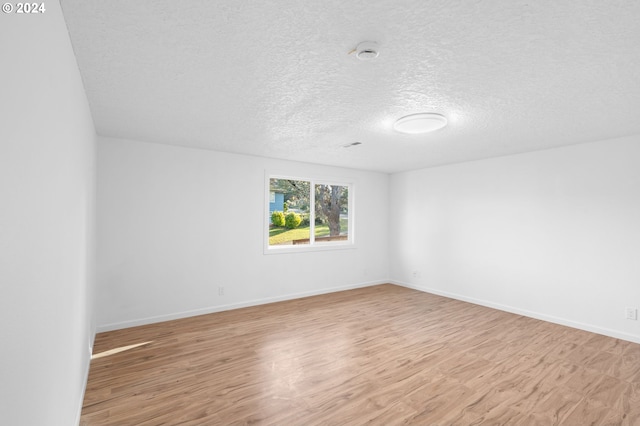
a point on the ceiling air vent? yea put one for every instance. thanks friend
(349, 145)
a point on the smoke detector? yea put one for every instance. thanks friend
(367, 50)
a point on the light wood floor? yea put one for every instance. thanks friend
(381, 355)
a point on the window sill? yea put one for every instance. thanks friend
(288, 249)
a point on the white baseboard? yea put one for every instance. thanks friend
(544, 317)
(220, 308)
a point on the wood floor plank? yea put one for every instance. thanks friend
(381, 355)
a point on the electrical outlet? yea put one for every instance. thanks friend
(220, 291)
(631, 314)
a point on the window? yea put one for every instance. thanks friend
(308, 214)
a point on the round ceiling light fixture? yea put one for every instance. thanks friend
(423, 122)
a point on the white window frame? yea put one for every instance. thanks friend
(312, 246)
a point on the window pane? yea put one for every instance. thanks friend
(332, 213)
(289, 212)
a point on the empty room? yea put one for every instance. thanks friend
(320, 213)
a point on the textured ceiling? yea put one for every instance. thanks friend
(275, 78)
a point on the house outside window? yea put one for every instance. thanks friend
(276, 202)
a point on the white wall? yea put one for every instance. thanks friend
(552, 234)
(47, 150)
(175, 223)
